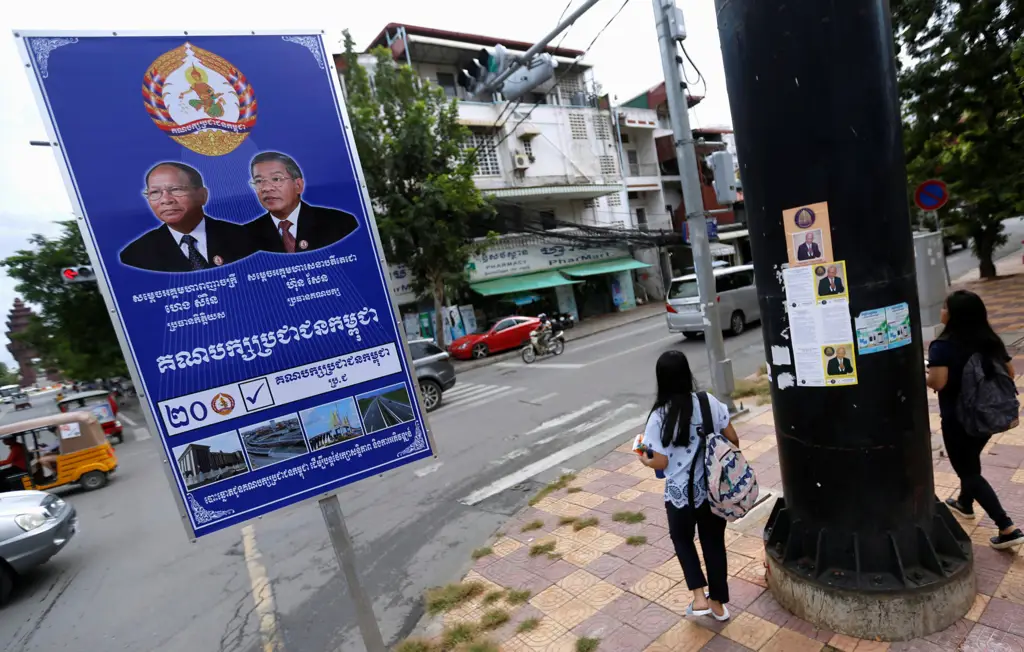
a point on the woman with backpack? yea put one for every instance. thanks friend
(674, 441)
(970, 369)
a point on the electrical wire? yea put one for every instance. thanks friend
(700, 77)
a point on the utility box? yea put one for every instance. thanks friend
(931, 280)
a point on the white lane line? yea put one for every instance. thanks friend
(127, 419)
(262, 593)
(467, 390)
(541, 399)
(475, 394)
(460, 407)
(550, 461)
(427, 470)
(566, 418)
(587, 425)
(141, 434)
(508, 457)
(584, 347)
(539, 365)
(628, 351)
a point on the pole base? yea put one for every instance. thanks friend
(885, 616)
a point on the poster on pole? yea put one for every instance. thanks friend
(220, 197)
(821, 333)
(808, 234)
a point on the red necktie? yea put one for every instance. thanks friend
(286, 237)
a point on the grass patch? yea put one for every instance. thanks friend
(414, 645)
(446, 598)
(629, 517)
(567, 520)
(636, 540)
(528, 625)
(542, 549)
(585, 523)
(532, 525)
(759, 388)
(586, 644)
(456, 635)
(494, 619)
(573, 490)
(561, 483)
(517, 597)
(482, 646)
(480, 553)
(493, 597)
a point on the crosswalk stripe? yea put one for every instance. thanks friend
(474, 394)
(470, 390)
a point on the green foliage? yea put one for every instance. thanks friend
(7, 377)
(419, 172)
(71, 330)
(629, 517)
(445, 598)
(515, 597)
(963, 108)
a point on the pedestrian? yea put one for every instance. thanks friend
(674, 434)
(967, 332)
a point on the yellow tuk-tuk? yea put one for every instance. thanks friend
(75, 445)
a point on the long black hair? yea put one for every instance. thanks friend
(675, 389)
(968, 327)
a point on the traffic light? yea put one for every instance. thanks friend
(79, 274)
(725, 177)
(484, 67)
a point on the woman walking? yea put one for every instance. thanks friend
(966, 333)
(674, 441)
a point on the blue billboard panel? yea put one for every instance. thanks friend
(222, 205)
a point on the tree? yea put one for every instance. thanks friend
(7, 377)
(961, 88)
(419, 173)
(71, 330)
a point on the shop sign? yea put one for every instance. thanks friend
(536, 257)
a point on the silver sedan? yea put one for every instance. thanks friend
(34, 526)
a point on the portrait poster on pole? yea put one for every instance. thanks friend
(808, 234)
(219, 194)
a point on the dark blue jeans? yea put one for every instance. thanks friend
(964, 454)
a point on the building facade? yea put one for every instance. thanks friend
(549, 161)
(25, 357)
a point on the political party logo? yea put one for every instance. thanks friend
(804, 218)
(200, 100)
(223, 404)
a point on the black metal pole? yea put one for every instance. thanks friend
(858, 544)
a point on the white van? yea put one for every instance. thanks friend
(736, 295)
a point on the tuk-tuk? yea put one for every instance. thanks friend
(76, 443)
(102, 404)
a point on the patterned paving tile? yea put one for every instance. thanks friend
(684, 636)
(749, 630)
(626, 577)
(607, 542)
(572, 613)
(557, 570)
(671, 569)
(1003, 615)
(980, 603)
(626, 607)
(953, 636)
(786, 640)
(547, 632)
(985, 639)
(600, 595)
(652, 586)
(550, 599)
(578, 582)
(721, 644)
(742, 593)
(655, 620)
(605, 565)
(600, 625)
(628, 495)
(582, 556)
(627, 639)
(505, 546)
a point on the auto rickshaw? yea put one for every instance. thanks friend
(76, 440)
(102, 404)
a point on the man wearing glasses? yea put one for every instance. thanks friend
(189, 240)
(291, 225)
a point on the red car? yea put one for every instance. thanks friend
(506, 333)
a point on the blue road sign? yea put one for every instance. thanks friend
(225, 217)
(931, 195)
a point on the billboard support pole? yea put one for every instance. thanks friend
(343, 550)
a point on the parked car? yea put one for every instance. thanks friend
(21, 402)
(34, 526)
(506, 333)
(736, 296)
(434, 371)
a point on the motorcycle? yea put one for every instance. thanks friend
(555, 345)
(563, 321)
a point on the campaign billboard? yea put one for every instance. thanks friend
(220, 196)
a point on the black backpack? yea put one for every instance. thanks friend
(987, 405)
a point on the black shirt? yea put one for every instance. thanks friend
(953, 356)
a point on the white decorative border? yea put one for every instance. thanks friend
(419, 443)
(311, 43)
(42, 47)
(203, 515)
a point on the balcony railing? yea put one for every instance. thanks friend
(643, 169)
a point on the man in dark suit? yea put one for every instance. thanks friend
(831, 285)
(291, 225)
(189, 240)
(809, 250)
(840, 365)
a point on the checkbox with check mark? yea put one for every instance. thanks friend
(256, 394)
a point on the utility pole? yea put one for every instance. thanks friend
(670, 29)
(858, 544)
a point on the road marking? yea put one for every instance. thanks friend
(566, 418)
(427, 470)
(508, 457)
(587, 425)
(539, 399)
(551, 461)
(584, 347)
(542, 365)
(463, 407)
(127, 419)
(262, 593)
(141, 434)
(628, 351)
(470, 393)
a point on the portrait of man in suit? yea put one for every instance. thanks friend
(840, 365)
(189, 240)
(290, 225)
(808, 249)
(832, 284)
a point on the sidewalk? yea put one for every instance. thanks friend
(591, 326)
(590, 566)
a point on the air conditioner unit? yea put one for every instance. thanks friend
(520, 161)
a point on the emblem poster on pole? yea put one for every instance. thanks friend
(220, 197)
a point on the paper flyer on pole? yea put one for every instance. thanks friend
(819, 321)
(222, 203)
(808, 234)
(882, 329)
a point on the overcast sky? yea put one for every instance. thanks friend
(625, 59)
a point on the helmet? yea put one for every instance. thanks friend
(542, 317)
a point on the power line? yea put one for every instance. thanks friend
(700, 77)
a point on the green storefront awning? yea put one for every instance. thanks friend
(522, 283)
(604, 267)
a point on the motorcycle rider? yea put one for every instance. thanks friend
(543, 332)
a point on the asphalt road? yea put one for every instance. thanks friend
(130, 580)
(963, 261)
